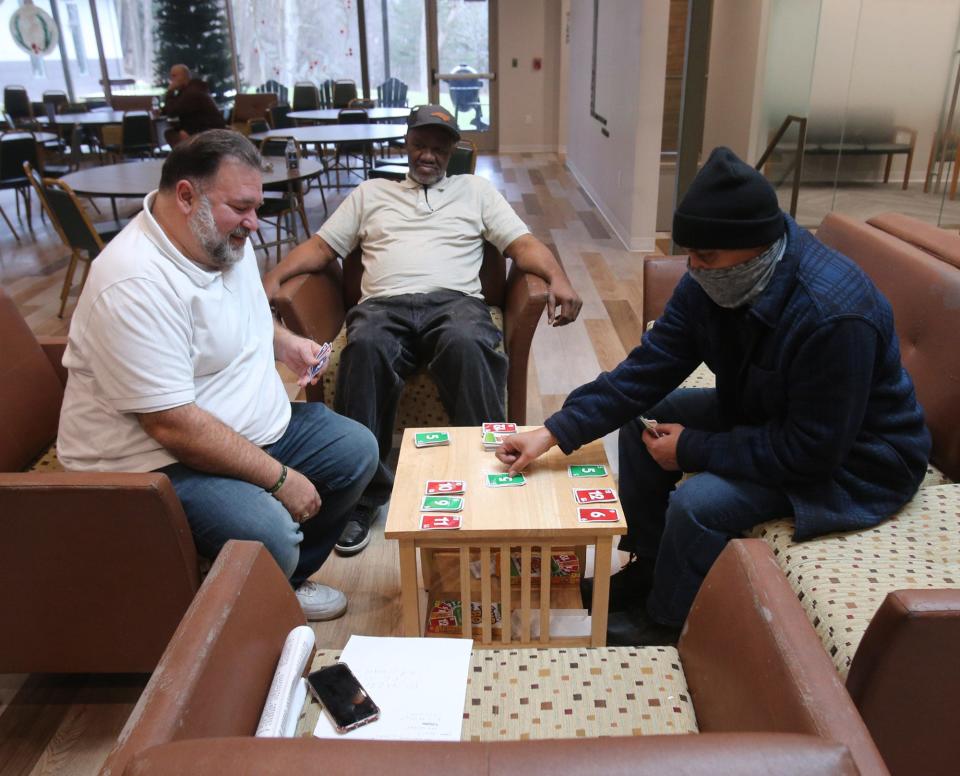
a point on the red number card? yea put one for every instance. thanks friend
(593, 495)
(437, 522)
(500, 428)
(598, 515)
(446, 487)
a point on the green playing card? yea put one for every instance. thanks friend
(431, 438)
(592, 470)
(441, 504)
(504, 480)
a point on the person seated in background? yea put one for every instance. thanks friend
(813, 415)
(188, 101)
(421, 301)
(171, 355)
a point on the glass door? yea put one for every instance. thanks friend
(461, 55)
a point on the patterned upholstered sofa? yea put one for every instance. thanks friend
(316, 305)
(97, 568)
(749, 675)
(886, 601)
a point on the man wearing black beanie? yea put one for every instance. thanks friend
(813, 415)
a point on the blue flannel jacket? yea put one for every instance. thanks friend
(810, 385)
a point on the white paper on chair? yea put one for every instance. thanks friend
(419, 685)
(563, 623)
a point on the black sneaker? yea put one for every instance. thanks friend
(629, 587)
(635, 628)
(356, 533)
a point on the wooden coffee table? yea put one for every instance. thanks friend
(540, 517)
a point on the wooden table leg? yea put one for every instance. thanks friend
(409, 592)
(601, 590)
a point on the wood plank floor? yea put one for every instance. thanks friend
(66, 725)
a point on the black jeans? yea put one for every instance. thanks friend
(685, 528)
(389, 338)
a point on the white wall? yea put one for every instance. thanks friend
(529, 99)
(620, 172)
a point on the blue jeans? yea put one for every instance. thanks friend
(683, 529)
(338, 455)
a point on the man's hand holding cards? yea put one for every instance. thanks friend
(322, 359)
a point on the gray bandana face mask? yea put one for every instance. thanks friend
(736, 286)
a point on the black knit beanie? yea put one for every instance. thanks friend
(728, 205)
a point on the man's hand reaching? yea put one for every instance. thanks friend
(519, 450)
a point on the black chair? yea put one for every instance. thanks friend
(16, 103)
(275, 87)
(255, 126)
(463, 160)
(56, 98)
(279, 118)
(392, 93)
(82, 238)
(306, 96)
(136, 136)
(15, 149)
(344, 90)
(282, 202)
(363, 149)
(326, 94)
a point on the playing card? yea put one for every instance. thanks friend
(500, 428)
(598, 515)
(651, 425)
(441, 504)
(431, 439)
(505, 480)
(446, 488)
(324, 356)
(593, 470)
(492, 440)
(593, 495)
(435, 522)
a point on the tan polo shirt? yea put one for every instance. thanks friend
(418, 239)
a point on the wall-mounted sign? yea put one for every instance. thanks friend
(34, 30)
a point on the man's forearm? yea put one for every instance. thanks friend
(311, 255)
(199, 440)
(532, 256)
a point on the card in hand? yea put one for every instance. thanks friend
(593, 470)
(598, 515)
(650, 425)
(593, 495)
(323, 356)
(446, 487)
(441, 504)
(505, 479)
(435, 522)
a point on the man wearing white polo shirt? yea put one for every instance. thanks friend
(171, 357)
(421, 302)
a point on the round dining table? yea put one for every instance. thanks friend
(40, 137)
(137, 179)
(93, 118)
(337, 133)
(332, 114)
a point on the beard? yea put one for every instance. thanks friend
(217, 246)
(425, 180)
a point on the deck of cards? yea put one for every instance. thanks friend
(492, 434)
(594, 495)
(323, 356)
(431, 439)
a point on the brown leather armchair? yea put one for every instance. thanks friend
(97, 568)
(758, 679)
(316, 305)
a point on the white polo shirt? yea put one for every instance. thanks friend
(153, 331)
(417, 239)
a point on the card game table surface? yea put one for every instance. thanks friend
(540, 513)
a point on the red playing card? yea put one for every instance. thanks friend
(435, 522)
(500, 428)
(446, 487)
(598, 515)
(593, 495)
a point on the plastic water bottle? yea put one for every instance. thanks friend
(290, 152)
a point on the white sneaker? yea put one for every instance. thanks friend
(320, 602)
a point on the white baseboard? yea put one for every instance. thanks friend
(632, 244)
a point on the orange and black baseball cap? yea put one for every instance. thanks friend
(433, 115)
